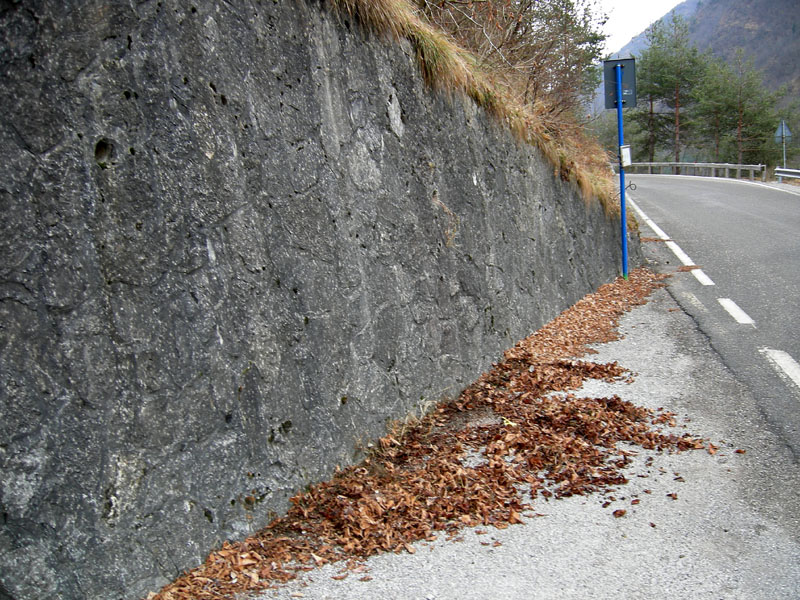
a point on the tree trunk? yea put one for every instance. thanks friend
(651, 127)
(677, 127)
(739, 140)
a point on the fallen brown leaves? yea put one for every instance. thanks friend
(448, 471)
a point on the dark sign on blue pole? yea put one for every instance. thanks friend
(628, 66)
(620, 92)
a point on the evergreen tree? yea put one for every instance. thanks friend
(714, 106)
(702, 105)
(649, 122)
(670, 68)
(735, 112)
(755, 111)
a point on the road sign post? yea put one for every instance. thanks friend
(620, 92)
(783, 135)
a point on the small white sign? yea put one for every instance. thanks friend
(625, 155)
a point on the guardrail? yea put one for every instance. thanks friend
(703, 169)
(791, 173)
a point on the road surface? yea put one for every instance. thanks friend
(746, 298)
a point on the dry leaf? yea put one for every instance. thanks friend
(417, 480)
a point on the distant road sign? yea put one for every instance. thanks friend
(782, 133)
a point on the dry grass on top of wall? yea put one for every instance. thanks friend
(447, 67)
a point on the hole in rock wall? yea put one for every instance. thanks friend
(103, 152)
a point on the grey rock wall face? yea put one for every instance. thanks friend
(236, 239)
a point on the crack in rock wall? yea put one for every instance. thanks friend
(237, 238)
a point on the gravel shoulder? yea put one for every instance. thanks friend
(704, 524)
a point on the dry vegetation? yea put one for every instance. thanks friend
(515, 435)
(484, 51)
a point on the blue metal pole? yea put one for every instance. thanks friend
(623, 219)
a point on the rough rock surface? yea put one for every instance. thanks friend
(236, 239)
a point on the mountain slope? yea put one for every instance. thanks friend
(638, 43)
(767, 30)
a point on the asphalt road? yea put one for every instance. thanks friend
(746, 238)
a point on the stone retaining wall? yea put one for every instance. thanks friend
(237, 239)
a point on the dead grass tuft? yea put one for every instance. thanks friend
(384, 17)
(443, 64)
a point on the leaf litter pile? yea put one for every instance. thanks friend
(479, 460)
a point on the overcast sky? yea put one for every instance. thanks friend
(628, 18)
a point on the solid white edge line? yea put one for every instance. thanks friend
(676, 250)
(682, 256)
(656, 229)
(784, 363)
(737, 313)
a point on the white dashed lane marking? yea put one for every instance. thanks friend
(786, 366)
(783, 363)
(737, 313)
(729, 305)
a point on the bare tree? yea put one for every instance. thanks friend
(544, 50)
